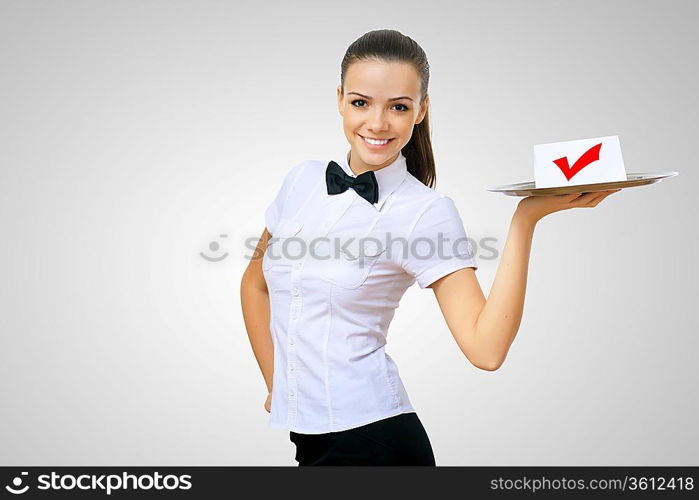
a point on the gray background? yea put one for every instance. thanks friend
(135, 133)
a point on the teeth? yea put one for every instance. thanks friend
(373, 141)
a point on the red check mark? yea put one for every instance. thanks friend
(589, 156)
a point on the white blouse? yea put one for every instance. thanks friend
(336, 268)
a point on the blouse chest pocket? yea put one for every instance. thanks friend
(280, 251)
(351, 268)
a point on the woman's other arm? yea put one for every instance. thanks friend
(485, 329)
(254, 298)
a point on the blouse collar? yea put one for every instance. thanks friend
(388, 177)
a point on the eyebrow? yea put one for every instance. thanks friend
(391, 99)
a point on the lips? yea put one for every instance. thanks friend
(376, 147)
(377, 138)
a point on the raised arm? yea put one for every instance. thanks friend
(485, 329)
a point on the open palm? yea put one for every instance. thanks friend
(537, 207)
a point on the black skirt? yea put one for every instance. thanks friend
(398, 440)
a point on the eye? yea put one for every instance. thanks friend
(362, 100)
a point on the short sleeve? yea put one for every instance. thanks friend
(274, 211)
(438, 244)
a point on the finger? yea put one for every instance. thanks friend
(600, 197)
(585, 198)
(569, 198)
(609, 192)
(596, 196)
(594, 201)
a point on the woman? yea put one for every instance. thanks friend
(317, 319)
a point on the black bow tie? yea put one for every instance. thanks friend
(364, 184)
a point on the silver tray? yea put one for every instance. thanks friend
(632, 180)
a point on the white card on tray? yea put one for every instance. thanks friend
(584, 161)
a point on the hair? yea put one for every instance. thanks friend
(393, 46)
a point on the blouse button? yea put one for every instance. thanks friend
(295, 290)
(291, 340)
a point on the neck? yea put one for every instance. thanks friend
(358, 167)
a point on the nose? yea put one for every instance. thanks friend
(377, 121)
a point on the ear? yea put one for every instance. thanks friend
(339, 99)
(423, 109)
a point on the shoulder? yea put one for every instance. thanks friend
(426, 210)
(306, 169)
(299, 171)
(313, 167)
(417, 198)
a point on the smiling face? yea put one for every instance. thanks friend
(381, 101)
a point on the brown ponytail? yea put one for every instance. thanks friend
(392, 46)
